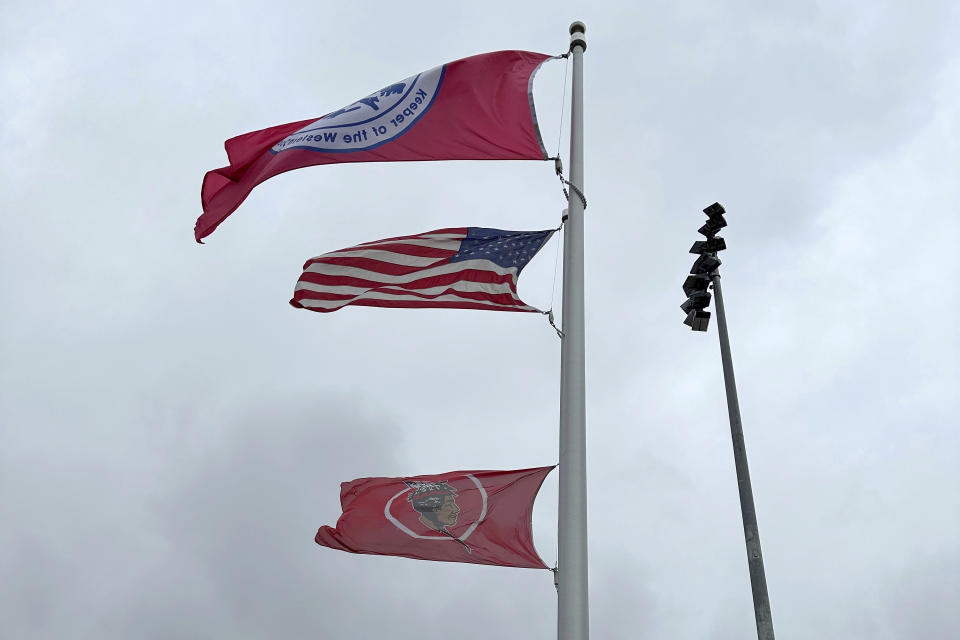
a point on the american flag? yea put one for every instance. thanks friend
(462, 268)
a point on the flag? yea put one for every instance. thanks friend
(477, 108)
(482, 517)
(463, 268)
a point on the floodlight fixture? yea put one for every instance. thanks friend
(705, 264)
(697, 320)
(695, 283)
(698, 300)
(714, 210)
(712, 226)
(709, 246)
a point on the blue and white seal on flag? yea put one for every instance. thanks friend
(371, 121)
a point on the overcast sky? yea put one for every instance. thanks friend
(172, 432)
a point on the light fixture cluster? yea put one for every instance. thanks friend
(701, 273)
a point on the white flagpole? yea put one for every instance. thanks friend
(573, 619)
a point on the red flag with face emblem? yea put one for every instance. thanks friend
(482, 517)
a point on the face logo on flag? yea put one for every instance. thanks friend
(431, 510)
(369, 122)
(436, 502)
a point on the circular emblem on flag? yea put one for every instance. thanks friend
(369, 122)
(447, 509)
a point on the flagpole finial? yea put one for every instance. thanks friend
(578, 36)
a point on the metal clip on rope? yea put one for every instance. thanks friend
(552, 322)
(558, 166)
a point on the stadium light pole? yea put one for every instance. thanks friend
(693, 306)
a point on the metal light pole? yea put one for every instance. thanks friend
(751, 532)
(573, 620)
(707, 265)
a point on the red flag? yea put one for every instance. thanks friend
(483, 517)
(477, 108)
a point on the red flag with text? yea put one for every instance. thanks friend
(482, 517)
(477, 108)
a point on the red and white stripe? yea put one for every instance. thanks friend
(407, 271)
